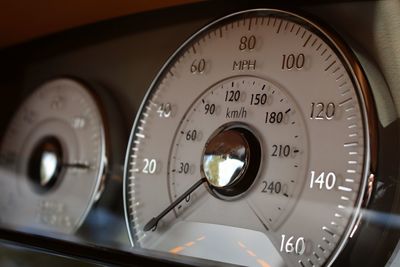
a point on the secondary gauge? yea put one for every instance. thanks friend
(53, 158)
(252, 145)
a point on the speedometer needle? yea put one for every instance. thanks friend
(152, 224)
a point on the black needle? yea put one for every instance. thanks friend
(152, 224)
(76, 165)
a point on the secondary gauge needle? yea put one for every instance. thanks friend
(152, 224)
(76, 165)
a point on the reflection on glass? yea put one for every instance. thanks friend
(48, 167)
(220, 169)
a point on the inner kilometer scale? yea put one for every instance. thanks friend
(250, 146)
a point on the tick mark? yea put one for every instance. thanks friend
(350, 144)
(330, 65)
(339, 77)
(343, 84)
(313, 43)
(250, 24)
(329, 231)
(308, 39)
(338, 68)
(345, 102)
(287, 24)
(330, 55)
(279, 28)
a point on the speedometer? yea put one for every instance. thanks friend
(252, 145)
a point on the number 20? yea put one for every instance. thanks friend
(150, 166)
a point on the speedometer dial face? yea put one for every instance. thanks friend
(52, 159)
(251, 146)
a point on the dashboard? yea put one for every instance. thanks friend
(203, 134)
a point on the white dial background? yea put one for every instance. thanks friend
(305, 66)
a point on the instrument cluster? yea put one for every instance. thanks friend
(246, 136)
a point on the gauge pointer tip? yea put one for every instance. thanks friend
(152, 224)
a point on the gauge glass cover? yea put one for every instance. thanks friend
(284, 84)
